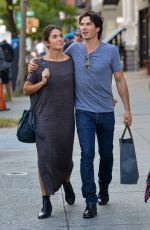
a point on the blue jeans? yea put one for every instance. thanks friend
(88, 124)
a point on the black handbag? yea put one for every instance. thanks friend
(26, 131)
(26, 127)
(129, 173)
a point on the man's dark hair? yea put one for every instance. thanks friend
(95, 18)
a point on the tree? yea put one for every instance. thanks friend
(47, 11)
(69, 22)
(7, 14)
(21, 73)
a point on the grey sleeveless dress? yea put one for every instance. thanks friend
(54, 113)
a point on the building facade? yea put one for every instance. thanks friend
(82, 6)
(135, 17)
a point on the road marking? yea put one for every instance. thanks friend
(17, 174)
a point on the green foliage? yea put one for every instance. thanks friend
(5, 123)
(5, 6)
(47, 11)
(3, 11)
(70, 19)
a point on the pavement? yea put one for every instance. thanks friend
(20, 196)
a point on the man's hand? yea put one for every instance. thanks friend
(114, 101)
(32, 66)
(45, 75)
(127, 118)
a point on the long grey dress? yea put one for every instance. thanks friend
(54, 113)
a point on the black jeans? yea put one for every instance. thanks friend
(89, 124)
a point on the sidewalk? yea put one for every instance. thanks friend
(16, 106)
(20, 197)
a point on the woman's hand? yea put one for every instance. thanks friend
(45, 75)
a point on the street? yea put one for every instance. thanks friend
(20, 195)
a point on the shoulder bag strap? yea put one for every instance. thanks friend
(42, 90)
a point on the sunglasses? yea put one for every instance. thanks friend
(78, 35)
(87, 61)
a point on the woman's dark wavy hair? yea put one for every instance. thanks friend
(47, 31)
(95, 18)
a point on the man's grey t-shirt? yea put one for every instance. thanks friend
(94, 84)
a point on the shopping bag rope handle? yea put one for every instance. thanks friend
(129, 130)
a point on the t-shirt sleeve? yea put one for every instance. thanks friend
(34, 76)
(116, 62)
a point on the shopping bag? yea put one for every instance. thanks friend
(129, 173)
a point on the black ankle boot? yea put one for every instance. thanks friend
(103, 198)
(69, 193)
(47, 208)
(90, 211)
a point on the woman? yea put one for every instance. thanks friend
(54, 111)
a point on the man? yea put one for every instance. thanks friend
(6, 58)
(77, 35)
(95, 63)
(69, 40)
(5, 77)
